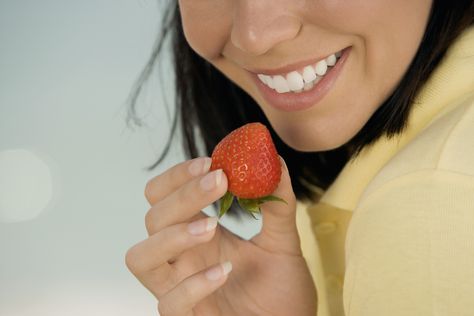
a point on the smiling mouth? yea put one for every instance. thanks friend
(303, 79)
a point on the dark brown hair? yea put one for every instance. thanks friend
(201, 90)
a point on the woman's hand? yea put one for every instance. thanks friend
(180, 261)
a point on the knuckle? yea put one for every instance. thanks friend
(149, 189)
(151, 224)
(131, 260)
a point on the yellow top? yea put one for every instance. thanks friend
(394, 234)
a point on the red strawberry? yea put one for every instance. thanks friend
(250, 161)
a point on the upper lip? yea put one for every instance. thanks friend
(288, 67)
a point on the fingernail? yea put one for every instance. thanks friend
(211, 180)
(215, 273)
(199, 166)
(202, 226)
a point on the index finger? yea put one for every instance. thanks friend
(170, 180)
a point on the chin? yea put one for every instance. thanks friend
(315, 135)
(313, 143)
(304, 137)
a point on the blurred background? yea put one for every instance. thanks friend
(72, 172)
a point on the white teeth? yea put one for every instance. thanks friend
(321, 68)
(331, 60)
(262, 78)
(308, 74)
(270, 82)
(302, 80)
(295, 81)
(280, 83)
(308, 86)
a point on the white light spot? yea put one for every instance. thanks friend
(26, 185)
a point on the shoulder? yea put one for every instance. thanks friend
(446, 144)
(409, 239)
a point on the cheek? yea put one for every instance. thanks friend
(384, 34)
(206, 26)
(390, 33)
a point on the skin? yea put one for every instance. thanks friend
(384, 35)
(269, 275)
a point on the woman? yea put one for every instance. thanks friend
(371, 106)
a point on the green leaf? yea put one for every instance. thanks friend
(251, 213)
(226, 202)
(270, 198)
(250, 205)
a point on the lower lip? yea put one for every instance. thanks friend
(291, 101)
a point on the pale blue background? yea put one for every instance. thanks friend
(66, 68)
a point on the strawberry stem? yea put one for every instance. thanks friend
(250, 205)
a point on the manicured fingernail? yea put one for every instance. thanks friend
(215, 273)
(211, 180)
(202, 226)
(199, 166)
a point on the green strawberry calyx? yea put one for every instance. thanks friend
(252, 206)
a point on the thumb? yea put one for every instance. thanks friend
(279, 232)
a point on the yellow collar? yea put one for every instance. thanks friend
(452, 79)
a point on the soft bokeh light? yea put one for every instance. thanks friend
(72, 175)
(26, 185)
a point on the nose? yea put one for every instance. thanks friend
(259, 25)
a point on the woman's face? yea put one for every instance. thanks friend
(282, 53)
